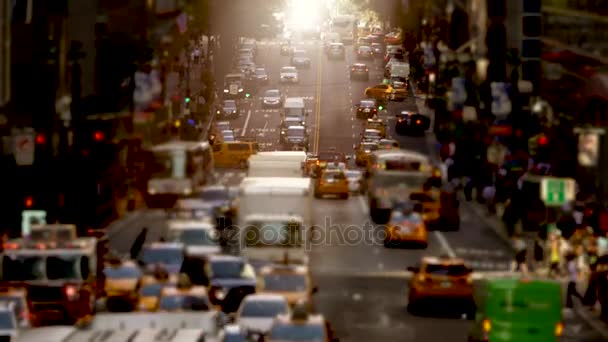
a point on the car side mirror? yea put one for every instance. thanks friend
(413, 269)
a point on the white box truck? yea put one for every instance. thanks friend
(274, 217)
(277, 164)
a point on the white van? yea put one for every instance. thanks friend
(294, 107)
(277, 164)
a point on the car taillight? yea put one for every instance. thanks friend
(486, 325)
(71, 292)
(366, 69)
(418, 122)
(353, 69)
(559, 329)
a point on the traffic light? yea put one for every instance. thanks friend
(99, 136)
(29, 202)
(40, 139)
(247, 95)
(187, 99)
(542, 140)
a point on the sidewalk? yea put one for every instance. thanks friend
(496, 225)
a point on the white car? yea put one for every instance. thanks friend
(355, 181)
(300, 59)
(289, 74)
(258, 311)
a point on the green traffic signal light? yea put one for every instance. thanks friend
(187, 99)
(380, 108)
(247, 95)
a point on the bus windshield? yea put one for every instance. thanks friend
(170, 164)
(56, 267)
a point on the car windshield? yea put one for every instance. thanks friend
(447, 270)
(260, 72)
(163, 256)
(263, 308)
(408, 180)
(122, 272)
(288, 69)
(332, 176)
(365, 49)
(229, 104)
(151, 290)
(285, 283)
(331, 156)
(194, 237)
(369, 147)
(295, 132)
(7, 320)
(367, 104)
(297, 332)
(353, 174)
(232, 79)
(372, 134)
(46, 234)
(399, 216)
(214, 194)
(272, 234)
(169, 164)
(183, 302)
(272, 93)
(227, 269)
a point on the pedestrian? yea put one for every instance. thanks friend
(138, 244)
(555, 254)
(573, 277)
(519, 263)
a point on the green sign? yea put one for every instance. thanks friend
(556, 192)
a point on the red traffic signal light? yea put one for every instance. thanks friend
(543, 140)
(40, 139)
(98, 136)
(29, 202)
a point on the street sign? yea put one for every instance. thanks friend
(556, 192)
(30, 218)
(24, 149)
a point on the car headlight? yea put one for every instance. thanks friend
(234, 112)
(187, 191)
(218, 111)
(220, 294)
(240, 90)
(152, 191)
(226, 90)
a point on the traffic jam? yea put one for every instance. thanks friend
(233, 263)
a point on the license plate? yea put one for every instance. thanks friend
(366, 110)
(169, 188)
(446, 284)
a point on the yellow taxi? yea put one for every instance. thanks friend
(151, 289)
(291, 281)
(234, 153)
(184, 297)
(363, 152)
(377, 124)
(443, 279)
(383, 92)
(122, 279)
(300, 325)
(326, 157)
(332, 182)
(440, 209)
(405, 227)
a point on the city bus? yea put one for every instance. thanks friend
(345, 26)
(176, 169)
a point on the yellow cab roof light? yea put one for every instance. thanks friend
(487, 325)
(559, 329)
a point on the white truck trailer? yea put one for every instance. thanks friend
(277, 164)
(274, 217)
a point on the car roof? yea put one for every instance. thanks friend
(190, 224)
(430, 260)
(368, 101)
(281, 269)
(299, 127)
(265, 297)
(229, 102)
(365, 47)
(121, 264)
(359, 65)
(406, 112)
(174, 291)
(289, 67)
(165, 245)
(226, 258)
(371, 130)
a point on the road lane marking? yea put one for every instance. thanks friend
(362, 203)
(444, 244)
(265, 125)
(318, 102)
(397, 274)
(246, 123)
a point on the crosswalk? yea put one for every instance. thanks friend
(485, 259)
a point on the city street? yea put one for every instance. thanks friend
(362, 284)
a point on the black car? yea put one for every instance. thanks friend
(366, 109)
(365, 52)
(288, 122)
(359, 71)
(229, 109)
(409, 123)
(295, 138)
(272, 98)
(230, 280)
(399, 82)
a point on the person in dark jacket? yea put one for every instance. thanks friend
(138, 244)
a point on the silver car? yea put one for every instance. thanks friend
(300, 59)
(272, 98)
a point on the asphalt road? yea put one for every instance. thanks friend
(362, 285)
